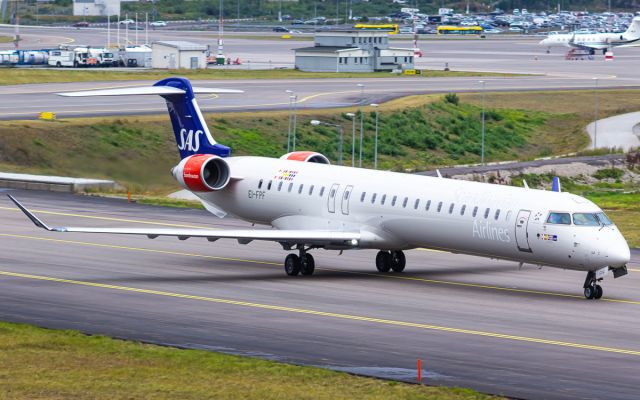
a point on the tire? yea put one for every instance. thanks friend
(307, 264)
(589, 292)
(292, 265)
(58, 64)
(75, 64)
(398, 261)
(598, 292)
(383, 261)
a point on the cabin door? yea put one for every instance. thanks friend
(522, 236)
(331, 199)
(346, 196)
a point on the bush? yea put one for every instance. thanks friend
(609, 173)
(452, 98)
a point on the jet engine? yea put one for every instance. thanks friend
(202, 173)
(306, 156)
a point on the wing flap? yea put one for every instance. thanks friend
(241, 235)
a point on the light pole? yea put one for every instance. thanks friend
(375, 145)
(595, 123)
(353, 138)
(315, 122)
(289, 130)
(293, 107)
(361, 86)
(482, 148)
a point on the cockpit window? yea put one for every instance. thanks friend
(559, 218)
(604, 220)
(585, 219)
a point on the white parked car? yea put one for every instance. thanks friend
(127, 22)
(158, 23)
(405, 29)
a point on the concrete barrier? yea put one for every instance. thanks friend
(53, 183)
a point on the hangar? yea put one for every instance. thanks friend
(174, 54)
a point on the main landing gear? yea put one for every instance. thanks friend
(390, 260)
(591, 288)
(299, 264)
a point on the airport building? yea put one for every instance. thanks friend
(97, 7)
(178, 54)
(353, 51)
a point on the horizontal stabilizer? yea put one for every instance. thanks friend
(146, 90)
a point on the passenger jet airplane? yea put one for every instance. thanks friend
(596, 41)
(310, 204)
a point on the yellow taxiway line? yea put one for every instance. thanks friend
(350, 317)
(377, 275)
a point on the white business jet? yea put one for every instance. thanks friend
(596, 41)
(310, 204)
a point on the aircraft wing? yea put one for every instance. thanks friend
(243, 236)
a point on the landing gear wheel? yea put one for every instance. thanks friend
(307, 264)
(598, 292)
(590, 292)
(383, 261)
(292, 265)
(398, 261)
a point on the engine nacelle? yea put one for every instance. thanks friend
(202, 173)
(306, 156)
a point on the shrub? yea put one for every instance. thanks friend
(609, 173)
(452, 98)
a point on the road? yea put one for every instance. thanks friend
(475, 322)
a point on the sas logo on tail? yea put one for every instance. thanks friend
(189, 140)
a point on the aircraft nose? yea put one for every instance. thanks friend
(619, 253)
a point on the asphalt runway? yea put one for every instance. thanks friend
(520, 55)
(475, 322)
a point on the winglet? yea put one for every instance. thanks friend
(556, 184)
(31, 216)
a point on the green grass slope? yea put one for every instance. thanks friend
(48, 364)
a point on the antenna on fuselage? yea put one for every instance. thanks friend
(524, 182)
(439, 174)
(555, 186)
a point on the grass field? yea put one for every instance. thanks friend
(16, 76)
(414, 134)
(6, 39)
(50, 364)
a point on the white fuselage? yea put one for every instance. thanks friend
(403, 211)
(587, 40)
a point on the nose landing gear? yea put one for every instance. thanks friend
(591, 288)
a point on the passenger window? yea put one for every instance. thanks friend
(475, 211)
(404, 203)
(508, 217)
(384, 197)
(362, 196)
(559, 218)
(311, 190)
(333, 193)
(428, 205)
(497, 214)
(464, 207)
(373, 198)
(486, 213)
(393, 201)
(290, 187)
(322, 191)
(300, 188)
(585, 219)
(439, 206)
(260, 184)
(279, 185)
(416, 204)
(451, 208)
(269, 185)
